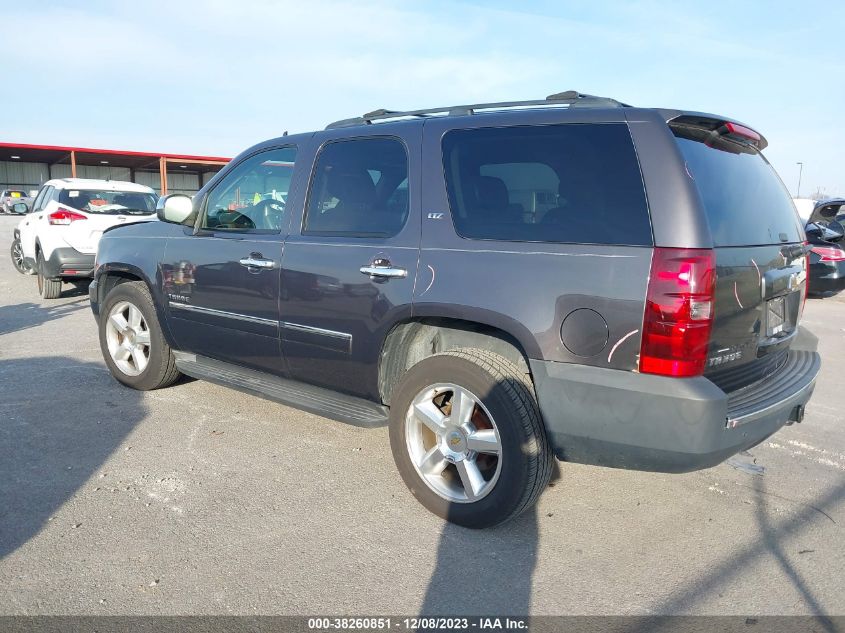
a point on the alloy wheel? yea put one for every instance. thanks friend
(128, 338)
(17, 256)
(453, 443)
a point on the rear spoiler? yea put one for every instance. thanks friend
(717, 125)
(826, 210)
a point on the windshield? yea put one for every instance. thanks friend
(13, 193)
(109, 202)
(745, 201)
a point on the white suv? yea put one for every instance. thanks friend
(59, 236)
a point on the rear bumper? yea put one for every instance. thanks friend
(70, 263)
(643, 422)
(827, 278)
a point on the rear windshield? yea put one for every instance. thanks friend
(745, 201)
(109, 202)
(576, 183)
(14, 193)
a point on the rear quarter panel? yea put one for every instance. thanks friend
(529, 289)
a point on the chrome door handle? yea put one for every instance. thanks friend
(387, 272)
(257, 262)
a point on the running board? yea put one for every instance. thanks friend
(330, 404)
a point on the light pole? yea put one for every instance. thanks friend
(800, 171)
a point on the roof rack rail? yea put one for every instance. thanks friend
(569, 98)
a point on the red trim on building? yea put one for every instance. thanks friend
(113, 152)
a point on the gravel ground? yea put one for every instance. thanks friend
(198, 499)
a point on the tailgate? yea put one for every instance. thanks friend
(84, 235)
(760, 260)
(758, 302)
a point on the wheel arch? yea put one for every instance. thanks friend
(418, 338)
(110, 275)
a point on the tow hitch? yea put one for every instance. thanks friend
(796, 415)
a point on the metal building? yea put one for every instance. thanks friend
(27, 167)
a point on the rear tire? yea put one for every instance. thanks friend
(500, 431)
(47, 288)
(132, 341)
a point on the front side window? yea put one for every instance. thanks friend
(108, 202)
(359, 189)
(39, 199)
(576, 183)
(253, 196)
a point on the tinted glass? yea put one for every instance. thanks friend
(253, 196)
(109, 202)
(745, 201)
(359, 189)
(556, 183)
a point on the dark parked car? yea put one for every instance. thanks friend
(500, 283)
(826, 236)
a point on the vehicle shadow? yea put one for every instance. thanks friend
(58, 425)
(22, 316)
(484, 574)
(488, 572)
(76, 289)
(771, 543)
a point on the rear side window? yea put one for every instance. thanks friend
(745, 201)
(576, 183)
(359, 189)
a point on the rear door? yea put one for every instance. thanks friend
(349, 267)
(30, 223)
(760, 262)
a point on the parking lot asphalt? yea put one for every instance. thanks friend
(198, 499)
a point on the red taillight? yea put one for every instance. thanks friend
(64, 216)
(735, 129)
(806, 277)
(678, 312)
(829, 253)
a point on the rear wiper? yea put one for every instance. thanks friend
(794, 251)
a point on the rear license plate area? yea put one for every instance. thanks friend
(776, 320)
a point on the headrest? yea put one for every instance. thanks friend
(491, 192)
(351, 186)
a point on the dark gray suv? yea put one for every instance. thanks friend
(500, 283)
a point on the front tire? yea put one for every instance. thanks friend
(467, 438)
(47, 288)
(18, 258)
(132, 341)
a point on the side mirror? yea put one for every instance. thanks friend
(174, 208)
(814, 231)
(20, 207)
(837, 226)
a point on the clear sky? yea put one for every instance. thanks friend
(215, 77)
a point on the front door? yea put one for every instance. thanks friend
(348, 270)
(221, 279)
